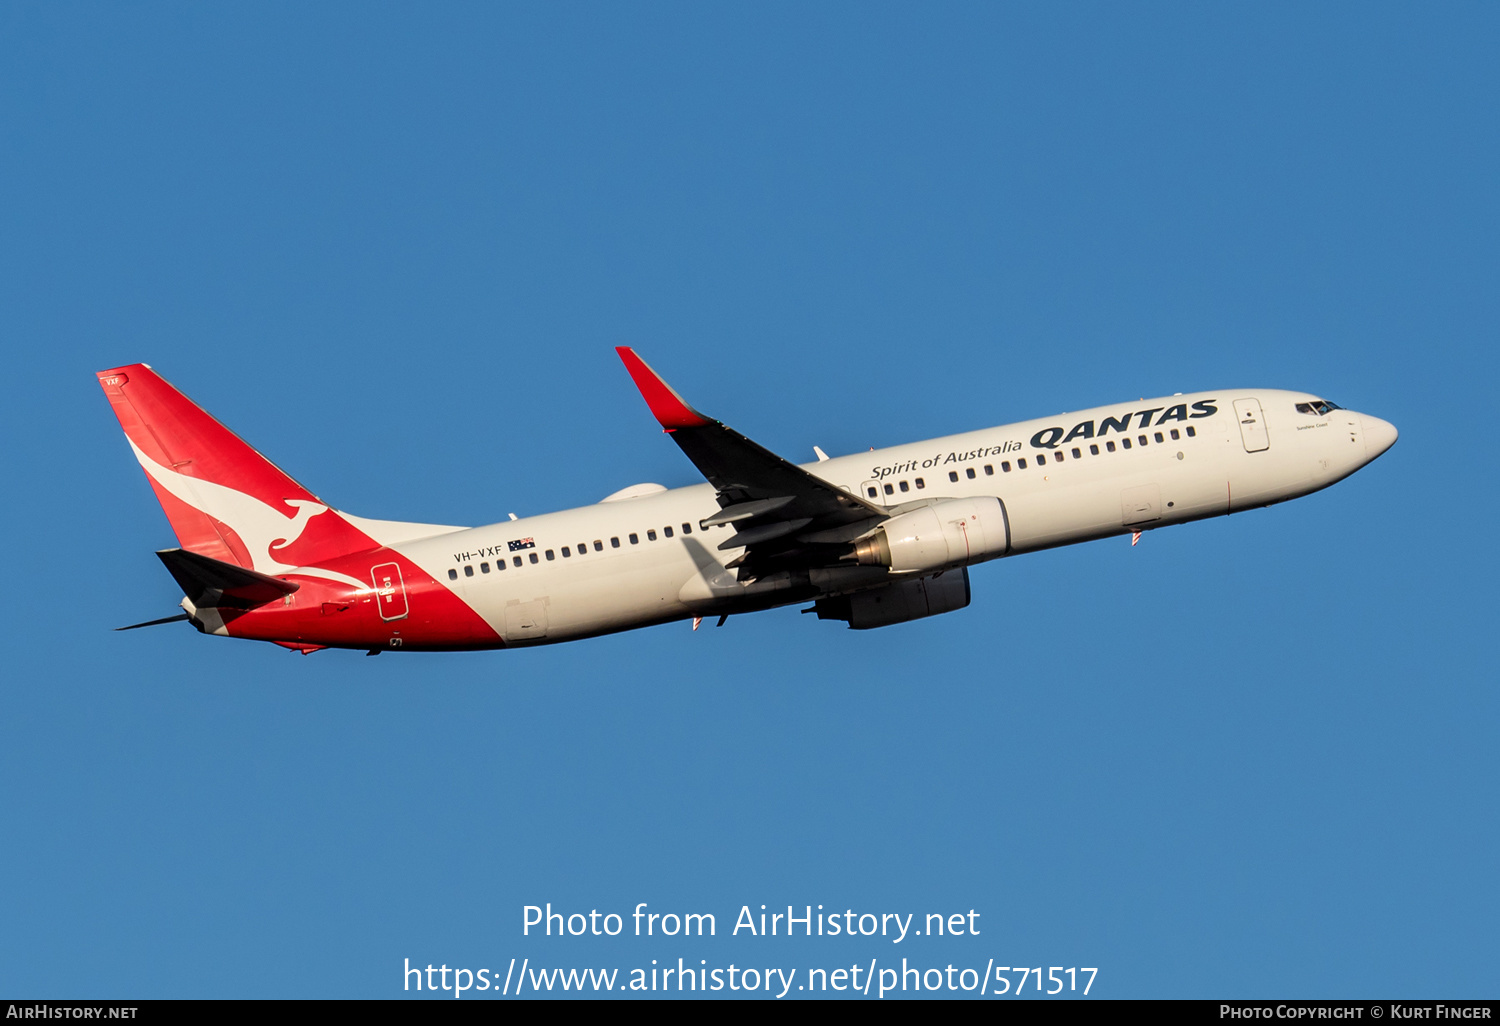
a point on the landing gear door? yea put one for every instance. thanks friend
(390, 591)
(1252, 425)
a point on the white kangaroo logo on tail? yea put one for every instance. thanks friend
(262, 527)
(306, 510)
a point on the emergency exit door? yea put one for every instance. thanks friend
(1252, 425)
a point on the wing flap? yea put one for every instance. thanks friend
(748, 510)
(748, 537)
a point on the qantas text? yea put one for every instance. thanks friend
(1052, 437)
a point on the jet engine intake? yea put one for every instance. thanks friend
(954, 532)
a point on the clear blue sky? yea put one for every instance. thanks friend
(393, 245)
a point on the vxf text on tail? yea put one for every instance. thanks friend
(872, 539)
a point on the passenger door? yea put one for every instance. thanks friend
(390, 591)
(1252, 425)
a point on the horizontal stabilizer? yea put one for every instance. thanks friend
(210, 582)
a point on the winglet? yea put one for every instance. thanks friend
(669, 408)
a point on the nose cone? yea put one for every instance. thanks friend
(1379, 434)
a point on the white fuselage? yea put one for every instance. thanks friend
(1070, 478)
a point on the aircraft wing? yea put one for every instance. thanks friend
(782, 515)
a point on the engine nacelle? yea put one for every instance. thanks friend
(954, 532)
(899, 602)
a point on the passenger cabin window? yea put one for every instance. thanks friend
(651, 534)
(635, 539)
(452, 575)
(687, 528)
(583, 547)
(1125, 442)
(484, 568)
(667, 531)
(874, 492)
(565, 552)
(1192, 431)
(889, 490)
(953, 476)
(989, 471)
(614, 543)
(1093, 450)
(516, 560)
(1142, 439)
(551, 555)
(969, 473)
(921, 483)
(1176, 434)
(534, 560)
(1077, 454)
(1021, 464)
(468, 570)
(1041, 459)
(499, 564)
(905, 487)
(1158, 437)
(1110, 446)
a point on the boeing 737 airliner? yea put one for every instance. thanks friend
(871, 539)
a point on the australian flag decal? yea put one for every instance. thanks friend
(523, 543)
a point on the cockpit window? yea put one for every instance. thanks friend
(1318, 408)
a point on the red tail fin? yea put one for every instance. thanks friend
(224, 499)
